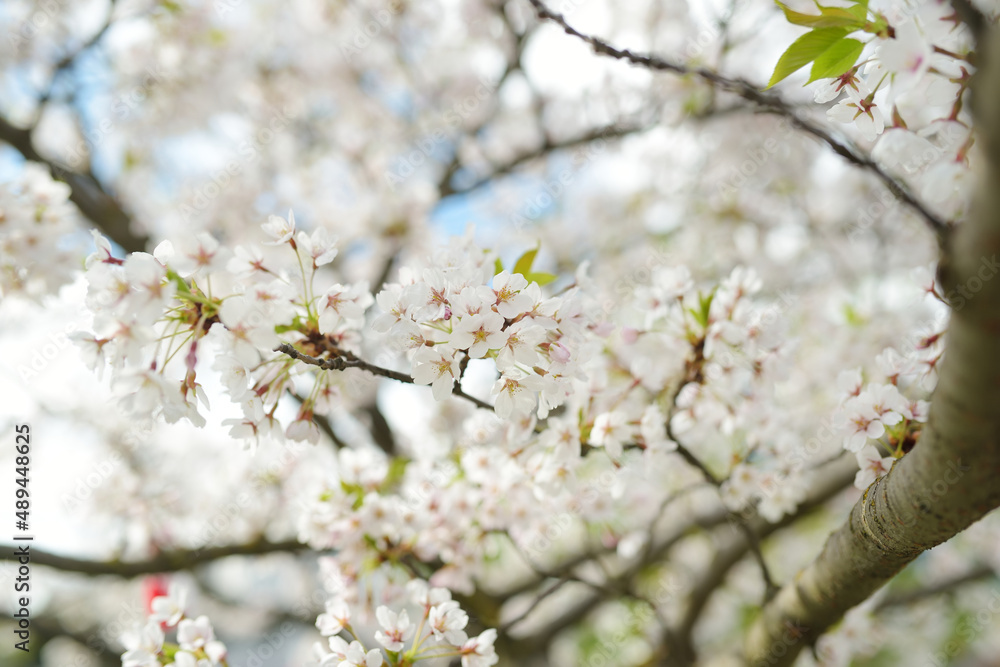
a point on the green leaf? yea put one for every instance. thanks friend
(804, 50)
(397, 468)
(497, 266)
(524, 262)
(704, 306)
(296, 325)
(182, 286)
(853, 317)
(859, 11)
(541, 278)
(829, 17)
(836, 60)
(355, 490)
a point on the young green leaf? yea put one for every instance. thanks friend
(836, 60)
(540, 278)
(829, 17)
(524, 262)
(804, 50)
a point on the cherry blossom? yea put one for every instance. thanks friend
(859, 109)
(479, 651)
(478, 333)
(396, 628)
(447, 622)
(438, 367)
(143, 647)
(510, 300)
(611, 431)
(336, 617)
(872, 465)
(279, 229)
(169, 609)
(515, 394)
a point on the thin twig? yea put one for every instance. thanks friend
(694, 374)
(906, 598)
(768, 102)
(534, 604)
(611, 131)
(346, 359)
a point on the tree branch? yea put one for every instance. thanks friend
(381, 432)
(833, 481)
(69, 59)
(513, 64)
(838, 479)
(165, 561)
(765, 101)
(906, 598)
(85, 191)
(606, 132)
(948, 481)
(348, 360)
(694, 374)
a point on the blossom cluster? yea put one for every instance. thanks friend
(156, 315)
(910, 94)
(728, 347)
(196, 645)
(35, 210)
(877, 415)
(438, 632)
(715, 351)
(459, 308)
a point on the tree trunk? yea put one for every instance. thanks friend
(952, 477)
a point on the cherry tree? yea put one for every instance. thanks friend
(504, 331)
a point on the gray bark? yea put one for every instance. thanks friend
(952, 477)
